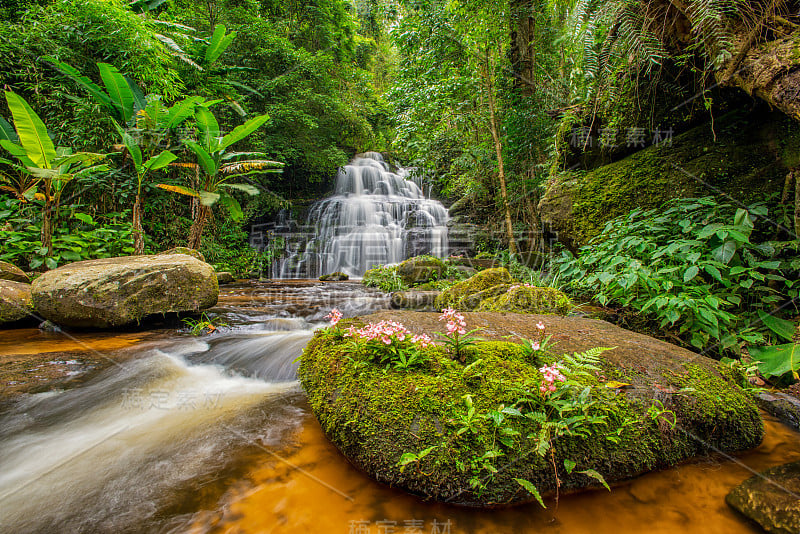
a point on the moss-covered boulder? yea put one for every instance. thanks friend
(528, 299)
(468, 433)
(420, 270)
(465, 295)
(334, 277)
(770, 499)
(12, 273)
(15, 301)
(120, 291)
(224, 277)
(741, 156)
(184, 250)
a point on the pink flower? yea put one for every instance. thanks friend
(540, 325)
(535, 345)
(335, 316)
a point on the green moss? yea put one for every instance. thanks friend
(458, 296)
(742, 156)
(375, 415)
(523, 299)
(420, 270)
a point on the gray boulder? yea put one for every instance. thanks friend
(10, 272)
(15, 301)
(119, 291)
(770, 499)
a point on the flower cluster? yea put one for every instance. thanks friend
(386, 332)
(335, 316)
(455, 321)
(517, 286)
(551, 375)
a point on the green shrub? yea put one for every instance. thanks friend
(695, 266)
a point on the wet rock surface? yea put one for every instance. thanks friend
(771, 499)
(15, 301)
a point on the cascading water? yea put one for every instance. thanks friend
(376, 217)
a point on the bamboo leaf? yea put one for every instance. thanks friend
(32, 132)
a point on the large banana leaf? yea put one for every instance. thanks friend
(219, 43)
(31, 131)
(208, 198)
(240, 132)
(18, 152)
(7, 131)
(241, 168)
(159, 162)
(132, 146)
(782, 327)
(95, 90)
(189, 192)
(118, 89)
(246, 188)
(205, 159)
(180, 111)
(209, 128)
(232, 205)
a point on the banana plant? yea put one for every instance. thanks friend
(30, 143)
(121, 98)
(216, 166)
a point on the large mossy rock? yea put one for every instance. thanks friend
(770, 499)
(13, 273)
(15, 301)
(528, 299)
(120, 291)
(184, 250)
(742, 157)
(375, 415)
(467, 295)
(421, 270)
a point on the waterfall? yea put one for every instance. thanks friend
(375, 217)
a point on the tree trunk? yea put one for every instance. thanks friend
(46, 235)
(138, 231)
(199, 223)
(523, 49)
(498, 147)
(770, 71)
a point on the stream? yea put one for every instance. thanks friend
(168, 432)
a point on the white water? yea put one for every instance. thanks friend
(114, 454)
(376, 217)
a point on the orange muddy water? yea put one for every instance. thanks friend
(213, 434)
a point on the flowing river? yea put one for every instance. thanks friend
(167, 432)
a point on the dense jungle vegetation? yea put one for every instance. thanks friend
(648, 148)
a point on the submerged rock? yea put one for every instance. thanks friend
(15, 301)
(120, 291)
(771, 499)
(334, 277)
(467, 432)
(13, 273)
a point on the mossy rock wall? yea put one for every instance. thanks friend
(374, 415)
(743, 157)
